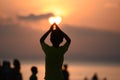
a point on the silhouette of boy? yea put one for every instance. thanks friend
(34, 72)
(54, 55)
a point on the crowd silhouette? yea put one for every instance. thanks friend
(94, 77)
(9, 73)
(13, 73)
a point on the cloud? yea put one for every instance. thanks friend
(33, 17)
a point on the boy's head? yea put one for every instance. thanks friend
(34, 70)
(56, 37)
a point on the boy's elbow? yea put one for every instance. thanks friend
(69, 41)
(41, 41)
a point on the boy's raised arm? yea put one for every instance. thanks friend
(42, 39)
(67, 38)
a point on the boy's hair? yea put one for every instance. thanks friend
(56, 37)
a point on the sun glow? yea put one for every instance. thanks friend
(56, 19)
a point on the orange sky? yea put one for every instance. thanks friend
(98, 14)
(93, 26)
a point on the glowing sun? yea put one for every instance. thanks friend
(55, 19)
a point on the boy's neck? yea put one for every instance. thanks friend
(56, 46)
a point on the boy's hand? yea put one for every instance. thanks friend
(57, 28)
(51, 28)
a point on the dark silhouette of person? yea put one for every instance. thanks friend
(65, 72)
(6, 71)
(104, 78)
(16, 74)
(95, 76)
(54, 55)
(85, 78)
(0, 71)
(34, 72)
